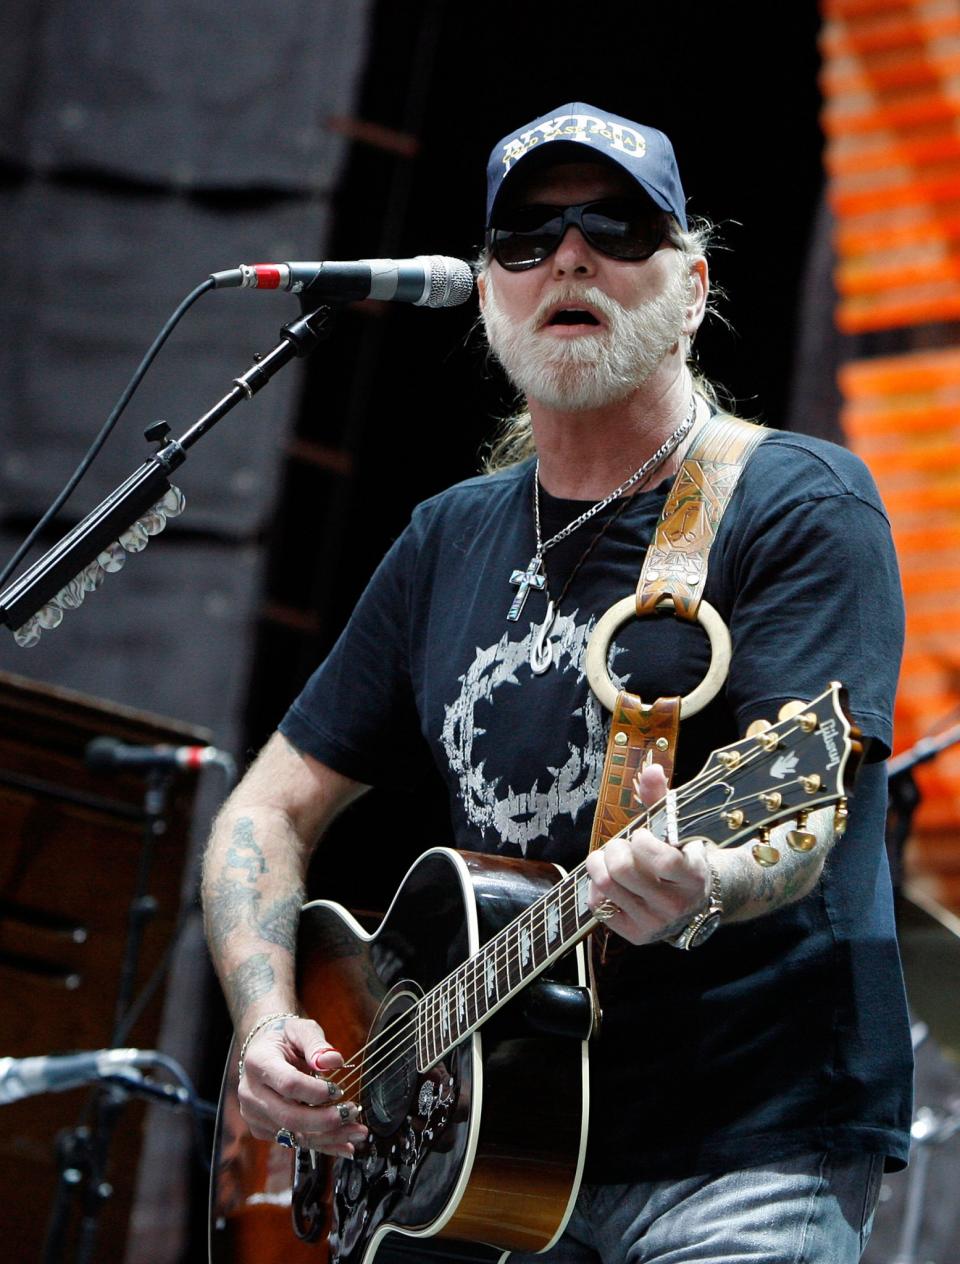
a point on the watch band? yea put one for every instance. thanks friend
(702, 925)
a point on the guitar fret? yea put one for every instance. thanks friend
(461, 1002)
(525, 947)
(447, 1013)
(438, 1010)
(421, 1043)
(460, 994)
(491, 992)
(434, 1042)
(473, 992)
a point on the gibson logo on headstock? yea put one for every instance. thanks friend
(828, 731)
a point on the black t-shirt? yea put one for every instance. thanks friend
(782, 1034)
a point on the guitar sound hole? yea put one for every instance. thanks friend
(390, 1078)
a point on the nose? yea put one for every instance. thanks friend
(573, 256)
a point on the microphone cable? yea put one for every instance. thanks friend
(105, 429)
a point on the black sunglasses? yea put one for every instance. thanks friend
(621, 228)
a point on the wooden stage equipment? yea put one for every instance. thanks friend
(72, 844)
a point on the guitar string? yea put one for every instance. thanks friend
(467, 990)
(531, 922)
(436, 1000)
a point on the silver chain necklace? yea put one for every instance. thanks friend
(541, 651)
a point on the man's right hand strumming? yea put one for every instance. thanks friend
(288, 1082)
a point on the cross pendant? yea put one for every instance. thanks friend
(532, 577)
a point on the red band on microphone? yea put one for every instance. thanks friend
(268, 276)
(195, 757)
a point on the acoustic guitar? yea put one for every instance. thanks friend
(476, 973)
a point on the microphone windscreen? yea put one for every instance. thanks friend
(451, 282)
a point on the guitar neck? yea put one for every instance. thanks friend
(465, 999)
(787, 770)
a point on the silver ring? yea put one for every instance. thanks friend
(286, 1138)
(343, 1110)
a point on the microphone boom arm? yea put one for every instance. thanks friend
(38, 597)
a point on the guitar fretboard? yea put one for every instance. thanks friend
(518, 953)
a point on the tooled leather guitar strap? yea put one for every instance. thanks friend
(674, 570)
(675, 566)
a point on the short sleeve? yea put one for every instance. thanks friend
(818, 598)
(356, 713)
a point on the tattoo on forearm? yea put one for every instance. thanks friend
(252, 979)
(228, 906)
(244, 852)
(279, 922)
(231, 904)
(793, 875)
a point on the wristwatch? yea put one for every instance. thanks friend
(702, 926)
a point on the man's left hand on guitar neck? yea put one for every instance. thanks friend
(659, 889)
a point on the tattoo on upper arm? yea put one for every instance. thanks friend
(252, 979)
(244, 853)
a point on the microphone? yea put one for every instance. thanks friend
(425, 281)
(25, 1077)
(108, 752)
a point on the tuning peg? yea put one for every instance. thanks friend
(840, 816)
(756, 727)
(764, 853)
(790, 709)
(800, 839)
(764, 732)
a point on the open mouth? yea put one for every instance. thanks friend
(572, 316)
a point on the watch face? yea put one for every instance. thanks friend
(703, 932)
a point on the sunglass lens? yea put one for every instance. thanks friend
(526, 238)
(622, 229)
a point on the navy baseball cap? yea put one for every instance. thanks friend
(579, 132)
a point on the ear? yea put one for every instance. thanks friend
(481, 289)
(696, 307)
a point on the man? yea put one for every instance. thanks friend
(745, 1095)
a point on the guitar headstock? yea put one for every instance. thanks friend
(805, 761)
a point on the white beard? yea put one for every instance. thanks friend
(592, 370)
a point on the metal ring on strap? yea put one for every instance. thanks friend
(622, 612)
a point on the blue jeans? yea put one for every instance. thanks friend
(810, 1209)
